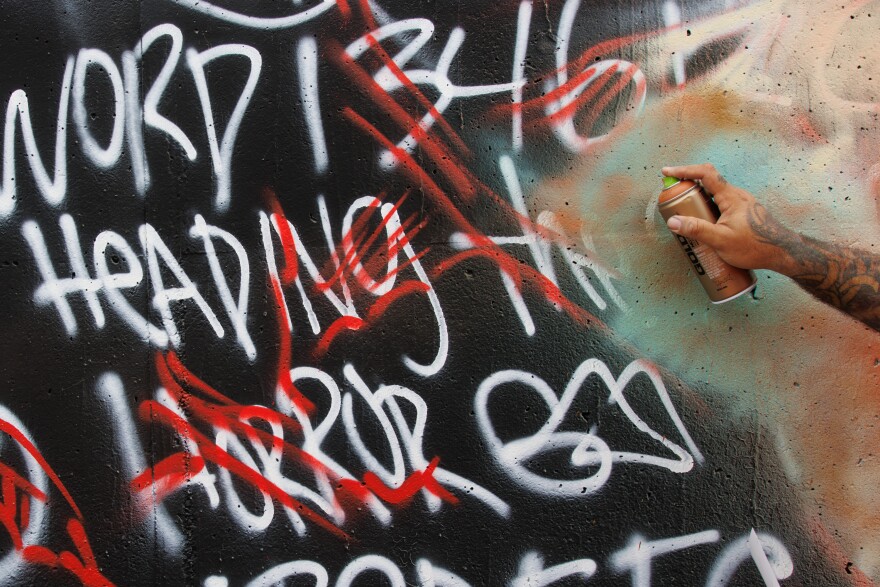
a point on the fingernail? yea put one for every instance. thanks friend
(674, 224)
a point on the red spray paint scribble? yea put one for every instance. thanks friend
(537, 106)
(81, 564)
(288, 245)
(349, 259)
(151, 410)
(374, 313)
(594, 90)
(335, 329)
(454, 172)
(223, 413)
(520, 274)
(357, 264)
(9, 507)
(463, 183)
(354, 262)
(26, 444)
(412, 485)
(399, 239)
(388, 61)
(287, 276)
(167, 476)
(582, 64)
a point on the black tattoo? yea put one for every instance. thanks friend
(848, 279)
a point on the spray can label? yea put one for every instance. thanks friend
(722, 281)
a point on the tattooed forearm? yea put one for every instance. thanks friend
(848, 279)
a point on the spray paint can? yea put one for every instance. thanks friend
(723, 282)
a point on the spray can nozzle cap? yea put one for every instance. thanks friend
(669, 181)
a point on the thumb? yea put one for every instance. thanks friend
(697, 229)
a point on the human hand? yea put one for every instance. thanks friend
(746, 235)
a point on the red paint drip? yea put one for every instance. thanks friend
(418, 95)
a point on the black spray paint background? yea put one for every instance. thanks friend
(49, 379)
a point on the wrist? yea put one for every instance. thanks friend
(785, 259)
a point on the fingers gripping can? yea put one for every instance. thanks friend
(723, 282)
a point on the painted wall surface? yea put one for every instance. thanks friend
(374, 292)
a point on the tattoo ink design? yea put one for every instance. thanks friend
(848, 279)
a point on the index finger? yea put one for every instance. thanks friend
(705, 172)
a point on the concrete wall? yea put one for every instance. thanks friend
(355, 292)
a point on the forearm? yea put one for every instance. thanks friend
(848, 279)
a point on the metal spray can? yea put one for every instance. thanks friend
(723, 282)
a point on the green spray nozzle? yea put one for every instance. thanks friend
(668, 181)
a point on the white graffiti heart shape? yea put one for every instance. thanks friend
(588, 450)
